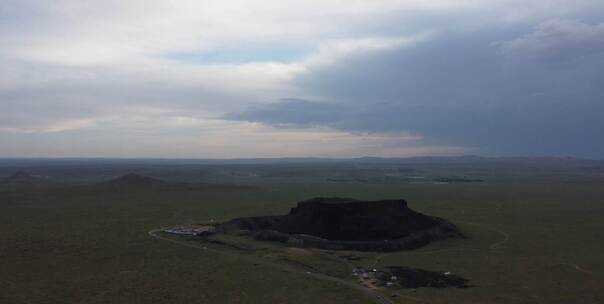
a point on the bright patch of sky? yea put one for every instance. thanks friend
(243, 54)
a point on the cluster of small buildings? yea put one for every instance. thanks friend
(191, 230)
(373, 278)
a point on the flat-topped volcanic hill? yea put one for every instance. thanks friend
(342, 223)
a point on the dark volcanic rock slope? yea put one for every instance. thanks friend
(338, 223)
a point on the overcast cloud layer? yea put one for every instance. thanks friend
(301, 78)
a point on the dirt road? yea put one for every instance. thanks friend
(376, 297)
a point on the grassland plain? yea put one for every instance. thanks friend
(531, 240)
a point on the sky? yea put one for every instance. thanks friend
(324, 78)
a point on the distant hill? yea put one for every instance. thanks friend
(21, 177)
(136, 180)
(133, 179)
(24, 180)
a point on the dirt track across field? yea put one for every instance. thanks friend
(375, 296)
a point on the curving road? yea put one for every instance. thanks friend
(376, 297)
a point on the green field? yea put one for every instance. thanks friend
(532, 238)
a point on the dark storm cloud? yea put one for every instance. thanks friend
(536, 91)
(559, 41)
